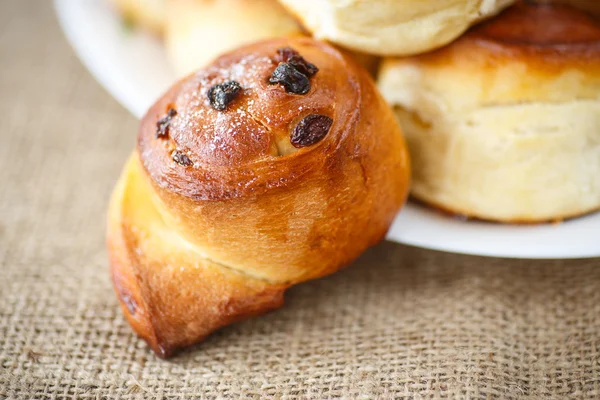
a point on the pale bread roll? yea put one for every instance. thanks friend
(504, 124)
(391, 27)
(198, 31)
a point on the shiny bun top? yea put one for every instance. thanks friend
(255, 119)
(542, 28)
(531, 52)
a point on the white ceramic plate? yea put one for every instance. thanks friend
(133, 67)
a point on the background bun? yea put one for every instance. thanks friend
(503, 123)
(590, 6)
(195, 32)
(198, 31)
(391, 27)
(240, 188)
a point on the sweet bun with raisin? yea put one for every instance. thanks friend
(391, 27)
(278, 163)
(503, 124)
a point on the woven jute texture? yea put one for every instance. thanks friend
(401, 322)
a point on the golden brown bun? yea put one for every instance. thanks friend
(503, 124)
(149, 14)
(590, 6)
(391, 27)
(198, 31)
(199, 246)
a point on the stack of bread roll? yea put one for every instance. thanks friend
(277, 158)
(498, 99)
(503, 124)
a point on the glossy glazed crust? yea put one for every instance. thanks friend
(545, 35)
(170, 293)
(528, 53)
(502, 124)
(589, 6)
(253, 215)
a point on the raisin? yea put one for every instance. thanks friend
(303, 66)
(284, 54)
(310, 130)
(293, 71)
(180, 158)
(163, 124)
(292, 80)
(222, 94)
(292, 57)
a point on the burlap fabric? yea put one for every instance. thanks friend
(399, 323)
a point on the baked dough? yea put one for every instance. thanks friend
(243, 184)
(198, 31)
(590, 6)
(504, 124)
(391, 27)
